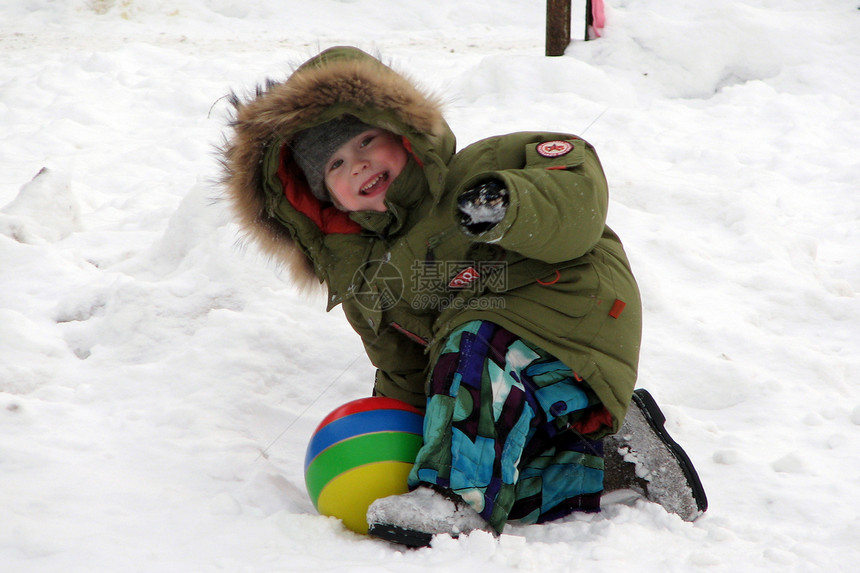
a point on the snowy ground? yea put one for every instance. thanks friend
(158, 383)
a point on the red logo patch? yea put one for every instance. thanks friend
(553, 149)
(464, 278)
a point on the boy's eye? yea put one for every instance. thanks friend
(337, 163)
(366, 141)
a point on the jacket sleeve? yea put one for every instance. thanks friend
(558, 193)
(401, 363)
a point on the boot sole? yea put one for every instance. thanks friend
(399, 535)
(655, 418)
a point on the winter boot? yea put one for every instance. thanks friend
(414, 518)
(644, 458)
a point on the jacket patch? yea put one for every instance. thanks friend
(553, 149)
(464, 278)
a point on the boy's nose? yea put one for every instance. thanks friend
(359, 166)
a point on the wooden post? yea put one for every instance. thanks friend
(557, 26)
(589, 20)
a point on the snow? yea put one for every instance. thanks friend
(484, 204)
(159, 382)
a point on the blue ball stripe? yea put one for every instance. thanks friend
(363, 423)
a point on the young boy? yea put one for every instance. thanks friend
(484, 284)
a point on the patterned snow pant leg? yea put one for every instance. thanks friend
(495, 430)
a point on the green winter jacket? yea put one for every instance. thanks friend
(551, 271)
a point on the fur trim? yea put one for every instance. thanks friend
(340, 76)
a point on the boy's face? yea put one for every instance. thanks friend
(360, 172)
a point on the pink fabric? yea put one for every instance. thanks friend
(599, 16)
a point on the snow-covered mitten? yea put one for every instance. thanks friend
(644, 458)
(483, 206)
(414, 518)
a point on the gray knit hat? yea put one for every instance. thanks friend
(312, 148)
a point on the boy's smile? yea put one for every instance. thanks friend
(360, 172)
(373, 186)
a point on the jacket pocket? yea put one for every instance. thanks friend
(576, 275)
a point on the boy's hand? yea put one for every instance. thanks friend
(483, 206)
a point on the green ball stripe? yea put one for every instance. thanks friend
(358, 451)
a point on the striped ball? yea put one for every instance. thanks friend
(361, 452)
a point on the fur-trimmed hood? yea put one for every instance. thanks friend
(266, 189)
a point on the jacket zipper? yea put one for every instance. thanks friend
(410, 335)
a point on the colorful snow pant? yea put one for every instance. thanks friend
(497, 429)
